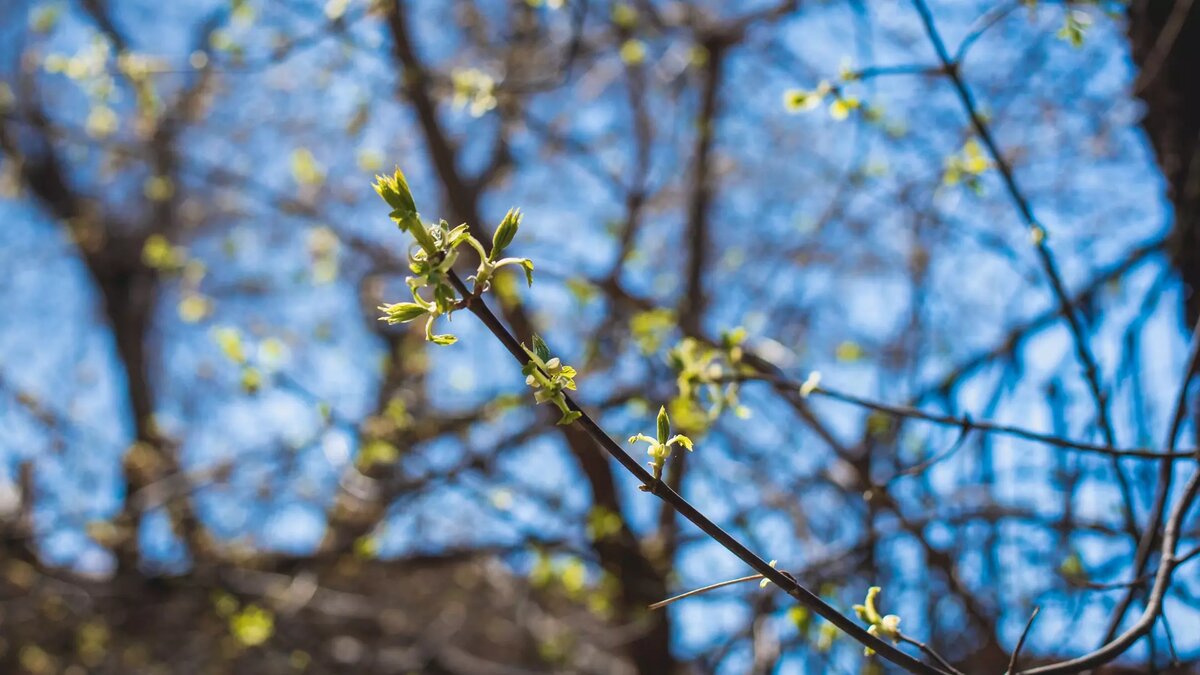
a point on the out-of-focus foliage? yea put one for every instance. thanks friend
(773, 223)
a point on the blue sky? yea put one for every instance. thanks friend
(801, 280)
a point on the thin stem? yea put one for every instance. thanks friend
(972, 424)
(922, 70)
(704, 589)
(930, 652)
(983, 25)
(1012, 661)
(921, 467)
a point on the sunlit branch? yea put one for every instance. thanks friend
(805, 596)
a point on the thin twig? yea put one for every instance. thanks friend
(930, 652)
(1154, 603)
(1166, 470)
(921, 467)
(918, 69)
(1170, 637)
(981, 26)
(1012, 661)
(979, 425)
(705, 589)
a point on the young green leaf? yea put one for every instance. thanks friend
(681, 440)
(401, 312)
(540, 348)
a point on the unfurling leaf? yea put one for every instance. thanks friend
(402, 312)
(395, 192)
(527, 265)
(540, 348)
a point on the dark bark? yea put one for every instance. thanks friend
(1165, 41)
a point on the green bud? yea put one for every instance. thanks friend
(395, 192)
(506, 232)
(889, 627)
(664, 425)
(401, 312)
(251, 380)
(869, 613)
(733, 338)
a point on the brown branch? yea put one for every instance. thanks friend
(685, 508)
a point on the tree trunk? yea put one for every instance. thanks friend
(1165, 41)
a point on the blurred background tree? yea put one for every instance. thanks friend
(216, 458)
